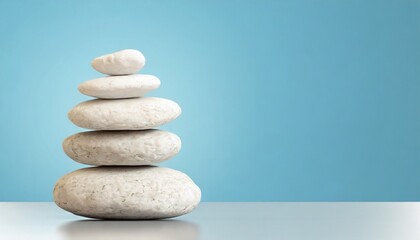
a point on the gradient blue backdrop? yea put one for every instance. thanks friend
(282, 100)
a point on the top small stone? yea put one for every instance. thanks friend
(124, 62)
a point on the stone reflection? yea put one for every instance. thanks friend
(127, 230)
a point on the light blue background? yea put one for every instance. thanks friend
(282, 100)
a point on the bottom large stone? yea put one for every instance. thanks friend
(143, 192)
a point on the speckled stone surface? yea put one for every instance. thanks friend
(146, 147)
(113, 87)
(127, 193)
(124, 114)
(124, 62)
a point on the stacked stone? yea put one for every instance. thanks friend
(124, 146)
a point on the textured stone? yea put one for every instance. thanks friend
(129, 86)
(127, 193)
(146, 147)
(124, 114)
(128, 61)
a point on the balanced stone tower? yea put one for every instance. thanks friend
(123, 147)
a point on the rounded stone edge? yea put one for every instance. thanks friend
(186, 211)
(67, 146)
(83, 87)
(95, 63)
(71, 116)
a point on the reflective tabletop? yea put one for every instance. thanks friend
(265, 221)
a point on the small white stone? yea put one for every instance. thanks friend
(124, 62)
(124, 114)
(128, 86)
(146, 147)
(146, 192)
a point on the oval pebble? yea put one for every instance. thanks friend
(146, 192)
(146, 147)
(124, 114)
(124, 62)
(113, 87)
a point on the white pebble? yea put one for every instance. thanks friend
(123, 62)
(113, 87)
(124, 114)
(146, 147)
(146, 192)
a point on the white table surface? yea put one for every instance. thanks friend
(260, 221)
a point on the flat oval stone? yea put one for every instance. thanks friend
(124, 114)
(128, 61)
(143, 192)
(129, 86)
(146, 147)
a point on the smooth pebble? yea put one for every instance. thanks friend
(124, 114)
(146, 147)
(114, 87)
(146, 192)
(124, 62)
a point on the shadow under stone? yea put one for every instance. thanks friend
(127, 230)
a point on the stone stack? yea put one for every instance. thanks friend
(123, 147)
